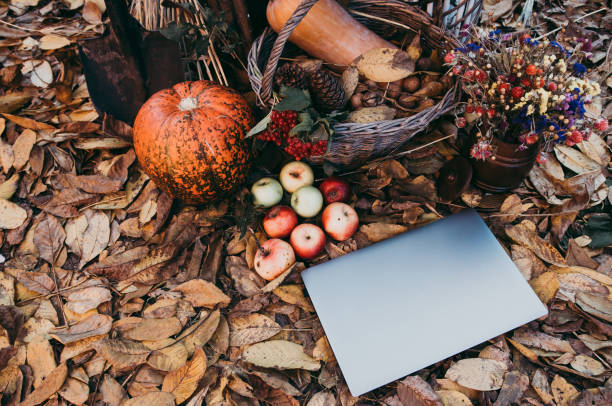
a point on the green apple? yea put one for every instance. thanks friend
(267, 192)
(307, 201)
(295, 175)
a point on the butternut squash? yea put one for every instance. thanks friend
(327, 31)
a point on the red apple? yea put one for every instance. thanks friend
(279, 221)
(340, 221)
(335, 190)
(273, 258)
(307, 240)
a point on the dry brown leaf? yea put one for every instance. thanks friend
(75, 391)
(169, 358)
(381, 231)
(563, 392)
(28, 122)
(596, 149)
(198, 334)
(522, 235)
(184, 381)
(151, 399)
(123, 355)
(385, 64)
(365, 115)
(539, 382)
(41, 359)
(575, 160)
(514, 386)
(49, 386)
(38, 282)
(527, 262)
(52, 41)
(153, 329)
(88, 235)
(280, 354)
(511, 208)
(22, 147)
(251, 329)
(349, 81)
(598, 276)
(112, 392)
(201, 293)
(453, 398)
(293, 294)
(545, 286)
(322, 350)
(541, 340)
(447, 384)
(322, 399)
(277, 380)
(9, 187)
(49, 238)
(552, 167)
(594, 344)
(596, 305)
(83, 300)
(478, 373)
(12, 215)
(414, 391)
(6, 156)
(587, 365)
(94, 325)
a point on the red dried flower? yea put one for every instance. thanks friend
(469, 74)
(531, 70)
(449, 57)
(504, 88)
(552, 86)
(480, 111)
(542, 158)
(576, 136)
(525, 82)
(601, 124)
(517, 92)
(460, 122)
(491, 113)
(531, 138)
(469, 108)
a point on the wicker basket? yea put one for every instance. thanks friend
(353, 143)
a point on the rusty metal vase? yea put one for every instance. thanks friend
(510, 166)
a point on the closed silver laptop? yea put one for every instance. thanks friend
(405, 303)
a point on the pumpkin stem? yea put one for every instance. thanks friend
(188, 103)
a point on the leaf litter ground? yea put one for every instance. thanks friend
(111, 293)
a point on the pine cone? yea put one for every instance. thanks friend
(291, 75)
(327, 91)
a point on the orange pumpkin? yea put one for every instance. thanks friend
(190, 140)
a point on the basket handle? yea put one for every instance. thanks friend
(279, 45)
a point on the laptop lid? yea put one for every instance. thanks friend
(402, 304)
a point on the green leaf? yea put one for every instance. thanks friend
(293, 99)
(174, 31)
(304, 125)
(259, 127)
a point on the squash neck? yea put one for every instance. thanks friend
(188, 103)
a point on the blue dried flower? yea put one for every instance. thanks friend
(579, 69)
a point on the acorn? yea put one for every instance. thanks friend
(356, 101)
(411, 84)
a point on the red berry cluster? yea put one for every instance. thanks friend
(300, 149)
(278, 132)
(281, 123)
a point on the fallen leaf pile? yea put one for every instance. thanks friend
(113, 294)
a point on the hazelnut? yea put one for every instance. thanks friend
(356, 101)
(447, 81)
(407, 101)
(424, 64)
(371, 84)
(411, 84)
(429, 77)
(394, 90)
(425, 103)
(371, 99)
